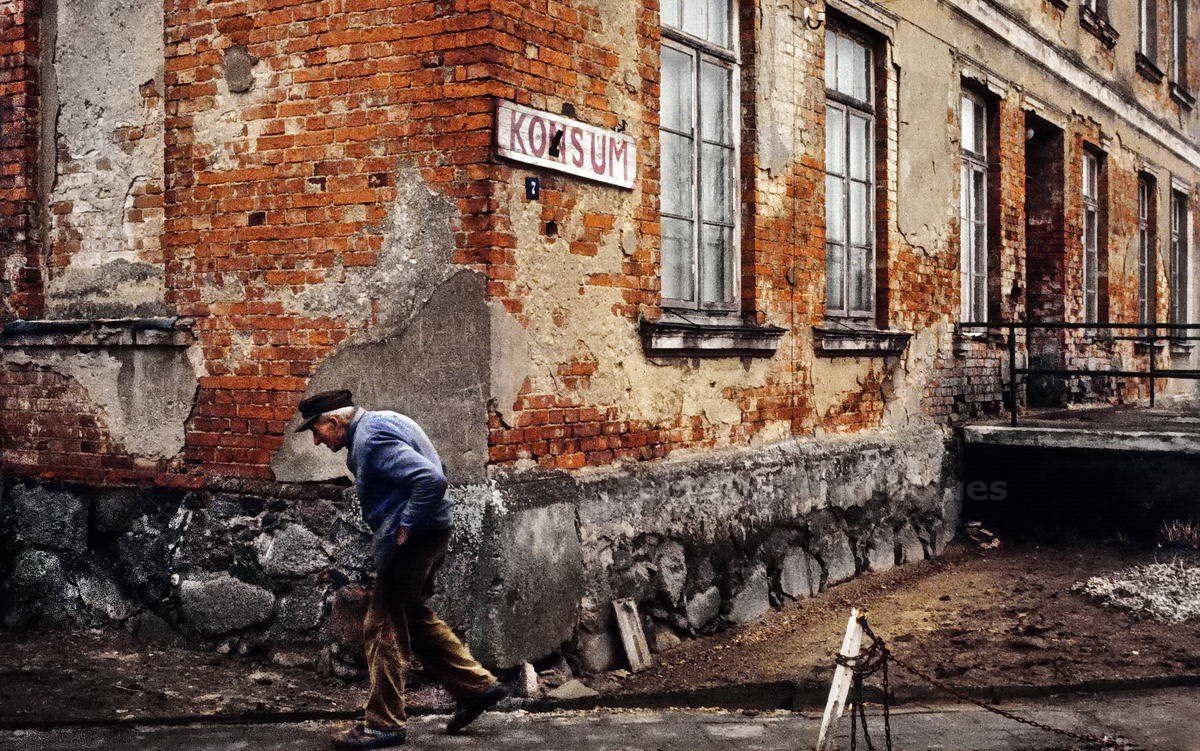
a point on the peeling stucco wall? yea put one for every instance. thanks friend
(102, 171)
(570, 318)
(145, 394)
(422, 345)
(414, 260)
(223, 129)
(927, 153)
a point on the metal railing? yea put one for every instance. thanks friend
(1154, 333)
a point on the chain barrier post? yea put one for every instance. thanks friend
(842, 677)
(856, 665)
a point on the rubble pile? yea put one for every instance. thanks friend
(1167, 592)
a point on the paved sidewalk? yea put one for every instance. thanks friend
(1157, 721)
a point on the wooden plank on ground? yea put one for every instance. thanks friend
(632, 634)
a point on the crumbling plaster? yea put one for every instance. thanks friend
(927, 150)
(422, 341)
(145, 393)
(565, 315)
(223, 129)
(103, 158)
(414, 260)
(568, 315)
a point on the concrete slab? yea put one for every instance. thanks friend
(1139, 429)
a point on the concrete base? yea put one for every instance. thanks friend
(1093, 472)
(700, 542)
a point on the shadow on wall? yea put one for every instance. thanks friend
(1054, 493)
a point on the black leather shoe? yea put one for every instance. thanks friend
(363, 737)
(469, 708)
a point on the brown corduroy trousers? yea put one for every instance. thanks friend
(400, 625)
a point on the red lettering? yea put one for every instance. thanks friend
(599, 162)
(619, 154)
(577, 145)
(537, 136)
(514, 131)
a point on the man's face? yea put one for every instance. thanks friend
(328, 431)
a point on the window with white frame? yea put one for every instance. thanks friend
(849, 177)
(973, 229)
(699, 155)
(1179, 35)
(1091, 237)
(1179, 257)
(1148, 28)
(1147, 242)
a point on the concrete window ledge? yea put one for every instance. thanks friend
(1181, 95)
(848, 342)
(130, 332)
(973, 340)
(1182, 348)
(1099, 26)
(677, 337)
(1143, 348)
(1148, 68)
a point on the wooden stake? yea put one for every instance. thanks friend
(840, 689)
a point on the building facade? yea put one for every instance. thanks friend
(675, 286)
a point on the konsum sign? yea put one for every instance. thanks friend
(565, 145)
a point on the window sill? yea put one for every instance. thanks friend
(1147, 69)
(1098, 26)
(672, 336)
(987, 337)
(1182, 348)
(849, 342)
(1143, 348)
(1182, 96)
(131, 332)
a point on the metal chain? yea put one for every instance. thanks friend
(867, 663)
(885, 655)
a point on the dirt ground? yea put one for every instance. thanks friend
(972, 618)
(107, 675)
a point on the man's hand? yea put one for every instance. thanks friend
(401, 535)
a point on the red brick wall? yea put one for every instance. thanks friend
(551, 64)
(351, 89)
(46, 424)
(306, 173)
(21, 281)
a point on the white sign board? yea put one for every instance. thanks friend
(565, 145)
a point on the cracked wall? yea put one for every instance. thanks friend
(421, 344)
(144, 395)
(102, 167)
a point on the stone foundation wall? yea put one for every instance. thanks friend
(536, 558)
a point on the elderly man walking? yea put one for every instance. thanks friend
(402, 490)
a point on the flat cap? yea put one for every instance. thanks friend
(318, 404)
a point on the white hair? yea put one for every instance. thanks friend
(342, 414)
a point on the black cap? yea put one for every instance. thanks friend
(318, 404)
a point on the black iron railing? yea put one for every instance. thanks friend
(1153, 333)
